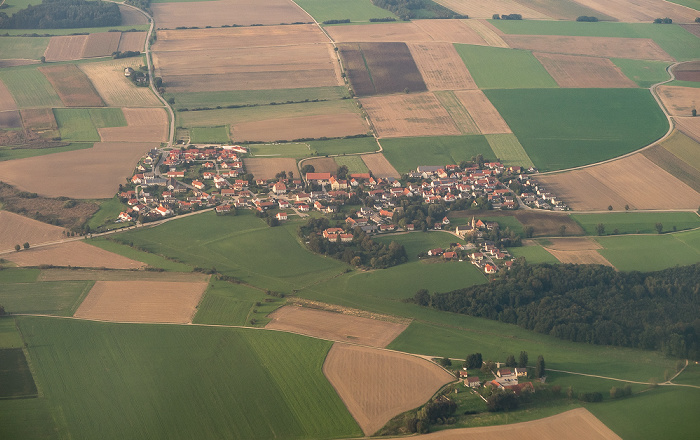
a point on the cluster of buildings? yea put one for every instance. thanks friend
(504, 379)
(535, 195)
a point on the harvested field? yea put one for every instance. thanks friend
(10, 119)
(571, 425)
(115, 89)
(635, 181)
(143, 125)
(692, 28)
(378, 33)
(689, 126)
(450, 31)
(65, 48)
(7, 102)
(573, 244)
(17, 229)
(377, 385)
(409, 115)
(379, 166)
(131, 17)
(74, 254)
(72, 85)
(305, 127)
(584, 72)
(323, 165)
(483, 112)
(683, 147)
(679, 101)
(132, 41)
(267, 168)
(101, 44)
(92, 173)
(458, 112)
(335, 326)
(486, 9)
(547, 223)
(563, 9)
(142, 301)
(604, 47)
(39, 119)
(227, 12)
(488, 32)
(579, 257)
(643, 11)
(73, 274)
(441, 66)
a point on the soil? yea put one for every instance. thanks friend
(115, 89)
(579, 257)
(450, 31)
(143, 125)
(10, 119)
(131, 17)
(39, 119)
(101, 44)
(380, 166)
(689, 126)
(17, 229)
(267, 168)
(304, 127)
(441, 66)
(380, 32)
(65, 48)
(74, 254)
(72, 86)
(323, 165)
(486, 8)
(604, 47)
(679, 101)
(644, 11)
(574, 71)
(132, 41)
(7, 102)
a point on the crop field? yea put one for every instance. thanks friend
(152, 368)
(637, 222)
(562, 128)
(66, 48)
(73, 254)
(17, 229)
(101, 44)
(483, 112)
(76, 274)
(675, 166)
(17, 377)
(507, 148)
(644, 73)
(218, 134)
(365, 144)
(144, 125)
(31, 48)
(108, 79)
(304, 127)
(59, 298)
(150, 259)
(679, 101)
(486, 9)
(457, 111)
(409, 115)
(575, 71)
(378, 33)
(450, 31)
(227, 303)
(267, 168)
(132, 41)
(533, 254)
(355, 164)
(335, 326)
(257, 97)
(227, 12)
(651, 252)
(131, 16)
(405, 154)
(64, 174)
(563, 9)
(634, 48)
(583, 256)
(76, 125)
(10, 119)
(354, 10)
(689, 126)
(39, 119)
(378, 385)
(30, 88)
(490, 34)
(7, 102)
(72, 86)
(644, 11)
(441, 66)
(486, 66)
(380, 166)
(684, 148)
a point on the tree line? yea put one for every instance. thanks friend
(408, 9)
(63, 14)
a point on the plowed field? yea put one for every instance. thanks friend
(378, 33)
(10, 119)
(267, 168)
(65, 48)
(115, 89)
(323, 165)
(690, 126)
(441, 66)
(490, 33)
(74, 254)
(7, 102)
(643, 11)
(579, 257)
(486, 8)
(379, 166)
(679, 101)
(409, 115)
(17, 229)
(227, 12)
(143, 125)
(633, 48)
(141, 301)
(573, 244)
(583, 72)
(483, 112)
(132, 41)
(131, 16)
(450, 31)
(101, 44)
(72, 85)
(343, 124)
(39, 119)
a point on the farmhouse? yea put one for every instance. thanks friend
(472, 382)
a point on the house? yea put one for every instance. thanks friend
(197, 184)
(303, 207)
(279, 188)
(490, 268)
(435, 252)
(221, 209)
(520, 372)
(283, 204)
(463, 373)
(505, 373)
(445, 221)
(162, 211)
(449, 255)
(318, 178)
(281, 216)
(472, 382)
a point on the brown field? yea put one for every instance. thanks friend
(563, 9)
(323, 165)
(441, 66)
(679, 101)
(65, 48)
(7, 102)
(450, 31)
(483, 112)
(355, 68)
(74, 254)
(378, 33)
(10, 119)
(377, 385)
(266, 168)
(547, 223)
(227, 12)
(644, 11)
(13, 63)
(579, 257)
(143, 125)
(490, 33)
(39, 119)
(573, 244)
(17, 229)
(142, 301)
(132, 41)
(690, 126)
(575, 424)
(689, 71)
(335, 326)
(486, 9)
(575, 71)
(634, 180)
(379, 166)
(459, 114)
(604, 47)
(116, 90)
(93, 173)
(692, 28)
(131, 16)
(674, 165)
(72, 85)
(304, 127)
(101, 44)
(405, 115)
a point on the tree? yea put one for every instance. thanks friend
(627, 207)
(306, 169)
(529, 231)
(446, 362)
(570, 392)
(562, 230)
(522, 362)
(600, 229)
(422, 297)
(502, 400)
(26, 245)
(610, 208)
(17, 247)
(473, 361)
(659, 228)
(342, 172)
(539, 367)
(510, 361)
(694, 112)
(2, 310)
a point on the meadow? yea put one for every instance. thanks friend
(31, 48)
(226, 303)
(355, 10)
(9, 336)
(162, 379)
(76, 125)
(256, 97)
(644, 73)
(563, 128)
(417, 242)
(8, 153)
(366, 144)
(533, 254)
(108, 212)
(354, 163)
(218, 134)
(486, 66)
(295, 150)
(50, 297)
(30, 88)
(651, 252)
(150, 259)
(72, 31)
(637, 222)
(405, 154)
(508, 150)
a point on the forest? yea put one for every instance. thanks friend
(590, 303)
(409, 9)
(63, 14)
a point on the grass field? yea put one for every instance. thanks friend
(355, 10)
(684, 84)
(31, 48)
(72, 31)
(651, 252)
(7, 153)
(16, 5)
(486, 66)
(256, 97)
(533, 254)
(644, 73)
(51, 297)
(30, 88)
(163, 378)
(76, 125)
(203, 135)
(107, 117)
(108, 212)
(694, 4)
(235, 304)
(406, 154)
(507, 148)
(150, 259)
(344, 146)
(9, 336)
(637, 222)
(295, 150)
(562, 128)
(354, 163)
(690, 376)
(417, 242)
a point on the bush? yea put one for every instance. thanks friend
(590, 397)
(587, 18)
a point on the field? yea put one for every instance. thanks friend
(405, 154)
(227, 12)
(651, 252)
(65, 174)
(17, 380)
(335, 326)
(30, 88)
(409, 115)
(294, 150)
(108, 79)
(267, 168)
(6, 100)
(637, 222)
(147, 371)
(355, 164)
(377, 385)
(419, 242)
(66, 48)
(132, 41)
(344, 146)
(39, 119)
(508, 150)
(59, 298)
(486, 66)
(562, 128)
(673, 164)
(101, 44)
(684, 148)
(72, 86)
(490, 34)
(644, 73)
(10, 119)
(378, 33)
(480, 9)
(689, 126)
(143, 125)
(576, 251)
(563, 9)
(131, 17)
(441, 66)
(547, 223)
(31, 48)
(533, 254)
(379, 166)
(457, 111)
(355, 10)
(145, 257)
(256, 97)
(227, 303)
(605, 47)
(76, 125)
(304, 127)
(450, 31)
(141, 301)
(74, 254)
(217, 134)
(17, 229)
(323, 165)
(645, 11)
(575, 71)
(484, 113)
(679, 101)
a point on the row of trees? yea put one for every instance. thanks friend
(63, 14)
(25, 246)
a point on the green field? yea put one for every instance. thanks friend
(417, 242)
(105, 216)
(72, 31)
(533, 254)
(507, 148)
(76, 125)
(562, 128)
(256, 97)
(30, 88)
(684, 148)
(8, 153)
(181, 382)
(486, 64)
(107, 117)
(694, 4)
(16, 5)
(9, 336)
(365, 144)
(644, 73)
(60, 298)
(203, 135)
(684, 84)
(459, 114)
(17, 382)
(405, 154)
(31, 48)
(637, 222)
(355, 10)
(235, 304)
(18, 275)
(651, 252)
(295, 150)
(355, 164)
(150, 259)
(690, 376)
